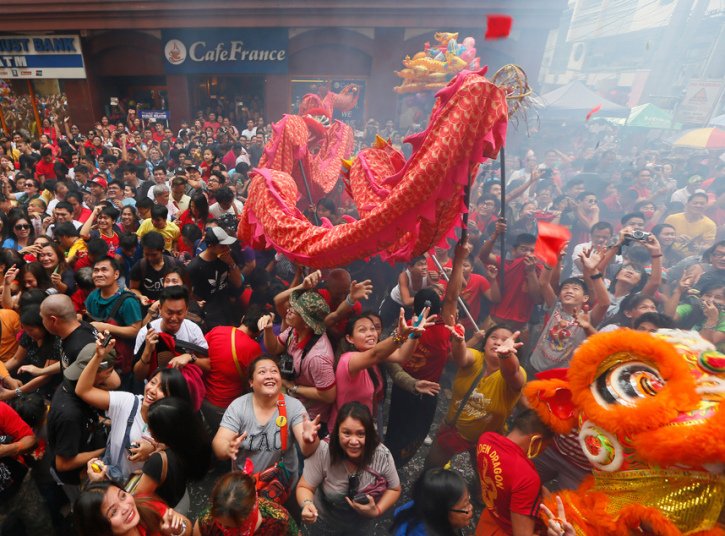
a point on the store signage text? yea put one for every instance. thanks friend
(54, 56)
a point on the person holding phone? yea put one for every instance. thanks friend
(349, 481)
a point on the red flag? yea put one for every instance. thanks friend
(593, 111)
(498, 26)
(550, 242)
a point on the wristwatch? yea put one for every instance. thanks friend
(193, 358)
(18, 392)
(292, 390)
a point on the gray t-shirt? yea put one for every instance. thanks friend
(331, 483)
(263, 444)
(559, 338)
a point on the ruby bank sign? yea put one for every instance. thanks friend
(226, 51)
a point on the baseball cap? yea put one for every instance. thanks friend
(100, 181)
(217, 235)
(191, 166)
(73, 372)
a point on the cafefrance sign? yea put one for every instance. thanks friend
(226, 51)
(41, 56)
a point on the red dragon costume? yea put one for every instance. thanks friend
(649, 413)
(405, 207)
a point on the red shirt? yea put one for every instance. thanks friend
(85, 214)
(224, 383)
(473, 293)
(45, 169)
(515, 304)
(11, 424)
(509, 481)
(431, 354)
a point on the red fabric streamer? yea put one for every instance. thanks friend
(550, 242)
(498, 26)
(593, 111)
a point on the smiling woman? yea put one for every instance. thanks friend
(104, 509)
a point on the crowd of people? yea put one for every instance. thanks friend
(142, 346)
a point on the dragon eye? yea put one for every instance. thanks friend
(627, 383)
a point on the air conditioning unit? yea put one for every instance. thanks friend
(577, 55)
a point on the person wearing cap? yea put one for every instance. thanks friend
(217, 279)
(303, 338)
(695, 231)
(683, 194)
(98, 186)
(74, 433)
(193, 176)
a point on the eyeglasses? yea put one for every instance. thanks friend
(466, 510)
(717, 254)
(353, 483)
(22, 226)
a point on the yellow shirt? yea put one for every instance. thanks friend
(78, 245)
(701, 232)
(10, 328)
(488, 406)
(170, 233)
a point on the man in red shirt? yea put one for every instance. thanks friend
(476, 288)
(45, 168)
(522, 289)
(231, 350)
(510, 485)
(212, 122)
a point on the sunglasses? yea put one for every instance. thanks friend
(22, 226)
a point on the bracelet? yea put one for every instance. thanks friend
(709, 327)
(657, 256)
(398, 339)
(18, 392)
(350, 301)
(307, 501)
(596, 276)
(293, 390)
(548, 268)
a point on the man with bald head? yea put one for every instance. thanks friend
(59, 318)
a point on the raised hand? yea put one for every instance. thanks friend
(97, 470)
(172, 522)
(424, 387)
(361, 291)
(11, 274)
(312, 280)
(265, 321)
(509, 346)
(557, 524)
(590, 259)
(416, 327)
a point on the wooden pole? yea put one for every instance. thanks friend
(501, 271)
(2, 121)
(34, 103)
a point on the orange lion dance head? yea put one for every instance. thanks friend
(649, 413)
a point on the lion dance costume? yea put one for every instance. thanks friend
(649, 413)
(405, 207)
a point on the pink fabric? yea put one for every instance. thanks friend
(356, 387)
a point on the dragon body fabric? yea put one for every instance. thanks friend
(405, 207)
(313, 142)
(648, 412)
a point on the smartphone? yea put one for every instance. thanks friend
(107, 339)
(133, 445)
(361, 498)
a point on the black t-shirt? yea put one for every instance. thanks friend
(210, 282)
(73, 427)
(72, 345)
(151, 280)
(174, 486)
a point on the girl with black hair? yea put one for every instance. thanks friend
(440, 506)
(350, 481)
(363, 353)
(118, 406)
(632, 307)
(20, 235)
(186, 452)
(105, 509)
(38, 348)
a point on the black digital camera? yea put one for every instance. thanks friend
(287, 367)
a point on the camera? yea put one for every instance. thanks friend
(287, 367)
(640, 236)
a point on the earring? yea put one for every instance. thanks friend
(537, 442)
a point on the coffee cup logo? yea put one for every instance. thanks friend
(175, 52)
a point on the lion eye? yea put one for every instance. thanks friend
(628, 383)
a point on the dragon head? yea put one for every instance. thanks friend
(641, 401)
